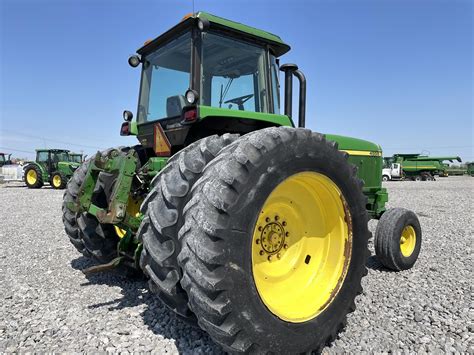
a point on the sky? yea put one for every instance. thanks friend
(395, 72)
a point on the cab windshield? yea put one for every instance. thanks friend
(60, 156)
(233, 74)
(76, 158)
(165, 79)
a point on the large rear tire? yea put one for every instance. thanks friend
(33, 177)
(162, 210)
(274, 243)
(91, 238)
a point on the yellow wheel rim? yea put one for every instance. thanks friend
(408, 241)
(301, 247)
(31, 177)
(56, 180)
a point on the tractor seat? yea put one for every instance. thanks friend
(174, 105)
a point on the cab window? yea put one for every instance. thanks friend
(233, 74)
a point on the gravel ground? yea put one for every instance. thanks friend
(47, 304)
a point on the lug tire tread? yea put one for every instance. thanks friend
(162, 209)
(204, 255)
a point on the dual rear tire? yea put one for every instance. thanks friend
(257, 214)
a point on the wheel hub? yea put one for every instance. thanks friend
(272, 238)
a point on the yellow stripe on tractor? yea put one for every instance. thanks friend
(363, 153)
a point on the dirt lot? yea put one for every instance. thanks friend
(48, 304)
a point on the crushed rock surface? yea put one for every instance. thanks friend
(48, 304)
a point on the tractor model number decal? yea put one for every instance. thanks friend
(162, 145)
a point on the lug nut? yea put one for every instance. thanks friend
(278, 255)
(257, 241)
(287, 234)
(261, 252)
(269, 258)
(267, 219)
(283, 223)
(285, 246)
(277, 218)
(260, 228)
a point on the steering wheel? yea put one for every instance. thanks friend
(239, 101)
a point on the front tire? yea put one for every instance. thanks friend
(163, 210)
(58, 181)
(397, 239)
(252, 204)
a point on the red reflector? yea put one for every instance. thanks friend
(190, 115)
(125, 129)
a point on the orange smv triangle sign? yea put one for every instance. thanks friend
(162, 145)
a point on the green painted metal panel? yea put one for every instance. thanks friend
(133, 128)
(367, 157)
(350, 143)
(278, 120)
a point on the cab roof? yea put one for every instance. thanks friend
(52, 150)
(276, 44)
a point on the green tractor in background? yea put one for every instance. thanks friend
(76, 157)
(51, 165)
(245, 223)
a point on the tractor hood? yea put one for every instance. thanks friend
(71, 166)
(355, 145)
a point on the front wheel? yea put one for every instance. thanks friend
(58, 181)
(274, 243)
(385, 178)
(397, 239)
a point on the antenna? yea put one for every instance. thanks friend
(193, 6)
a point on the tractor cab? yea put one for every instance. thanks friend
(204, 76)
(75, 158)
(5, 159)
(50, 158)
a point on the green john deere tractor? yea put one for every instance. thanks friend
(76, 157)
(51, 165)
(244, 221)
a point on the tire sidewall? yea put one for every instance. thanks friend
(286, 161)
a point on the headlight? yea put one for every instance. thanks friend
(191, 96)
(134, 61)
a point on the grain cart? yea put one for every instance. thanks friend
(455, 170)
(415, 167)
(76, 157)
(51, 165)
(244, 221)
